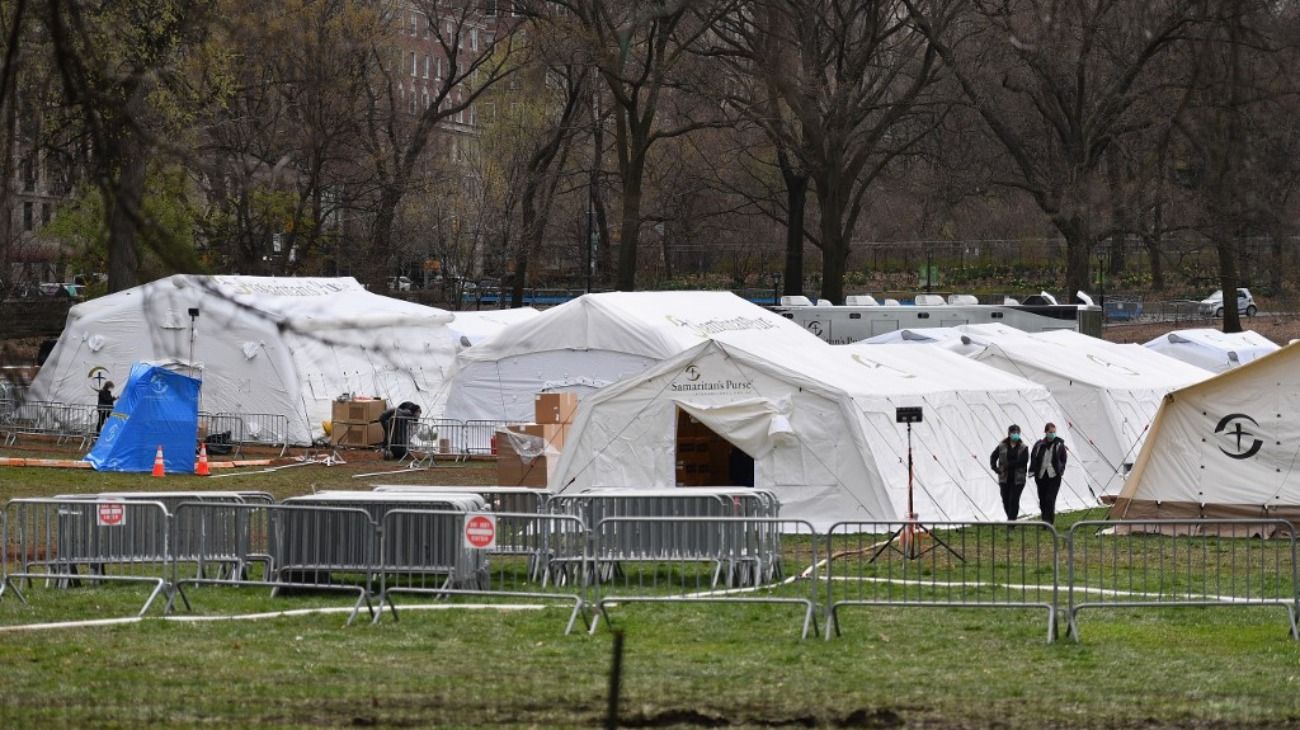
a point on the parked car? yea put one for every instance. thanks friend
(1212, 306)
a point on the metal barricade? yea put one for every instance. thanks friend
(264, 429)
(110, 540)
(1195, 562)
(596, 505)
(61, 421)
(306, 547)
(428, 439)
(222, 429)
(941, 564)
(663, 560)
(511, 560)
(479, 437)
(496, 499)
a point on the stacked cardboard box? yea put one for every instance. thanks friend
(356, 423)
(554, 414)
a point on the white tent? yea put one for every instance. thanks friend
(1211, 349)
(469, 328)
(1109, 393)
(1225, 447)
(820, 426)
(263, 345)
(908, 336)
(596, 340)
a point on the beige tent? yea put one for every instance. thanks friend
(1225, 447)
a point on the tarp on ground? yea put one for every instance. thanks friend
(156, 407)
(1211, 349)
(599, 339)
(1225, 447)
(820, 426)
(264, 345)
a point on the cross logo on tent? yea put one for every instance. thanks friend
(1239, 433)
(98, 375)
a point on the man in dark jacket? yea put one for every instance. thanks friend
(105, 407)
(1047, 464)
(1009, 461)
(397, 423)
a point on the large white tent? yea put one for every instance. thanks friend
(1225, 447)
(471, 327)
(1211, 349)
(598, 339)
(820, 426)
(262, 345)
(1108, 393)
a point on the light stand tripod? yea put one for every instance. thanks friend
(908, 535)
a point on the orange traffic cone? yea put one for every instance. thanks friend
(201, 468)
(158, 470)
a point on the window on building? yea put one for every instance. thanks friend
(415, 24)
(411, 102)
(45, 214)
(426, 65)
(28, 222)
(425, 98)
(473, 39)
(29, 174)
(490, 7)
(437, 67)
(415, 68)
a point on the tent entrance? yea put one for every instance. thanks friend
(705, 459)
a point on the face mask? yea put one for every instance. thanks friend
(1049, 435)
(1015, 437)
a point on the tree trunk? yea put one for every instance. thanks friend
(1153, 245)
(528, 206)
(123, 209)
(375, 271)
(1228, 281)
(630, 226)
(796, 198)
(835, 250)
(1276, 270)
(1078, 260)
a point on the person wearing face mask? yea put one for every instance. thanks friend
(1047, 464)
(1009, 460)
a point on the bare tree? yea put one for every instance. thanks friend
(841, 90)
(401, 124)
(1057, 84)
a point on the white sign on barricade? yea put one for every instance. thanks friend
(111, 514)
(481, 532)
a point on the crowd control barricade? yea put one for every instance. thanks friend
(941, 564)
(62, 421)
(496, 499)
(479, 437)
(723, 560)
(444, 553)
(263, 429)
(281, 547)
(1194, 562)
(595, 505)
(70, 542)
(184, 535)
(222, 430)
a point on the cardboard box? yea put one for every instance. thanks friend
(345, 433)
(555, 407)
(513, 472)
(357, 411)
(551, 433)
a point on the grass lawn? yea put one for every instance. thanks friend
(699, 665)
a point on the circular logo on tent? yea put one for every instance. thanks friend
(1231, 426)
(158, 385)
(692, 373)
(98, 376)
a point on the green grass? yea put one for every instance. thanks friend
(696, 664)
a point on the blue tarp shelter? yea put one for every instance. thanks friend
(156, 408)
